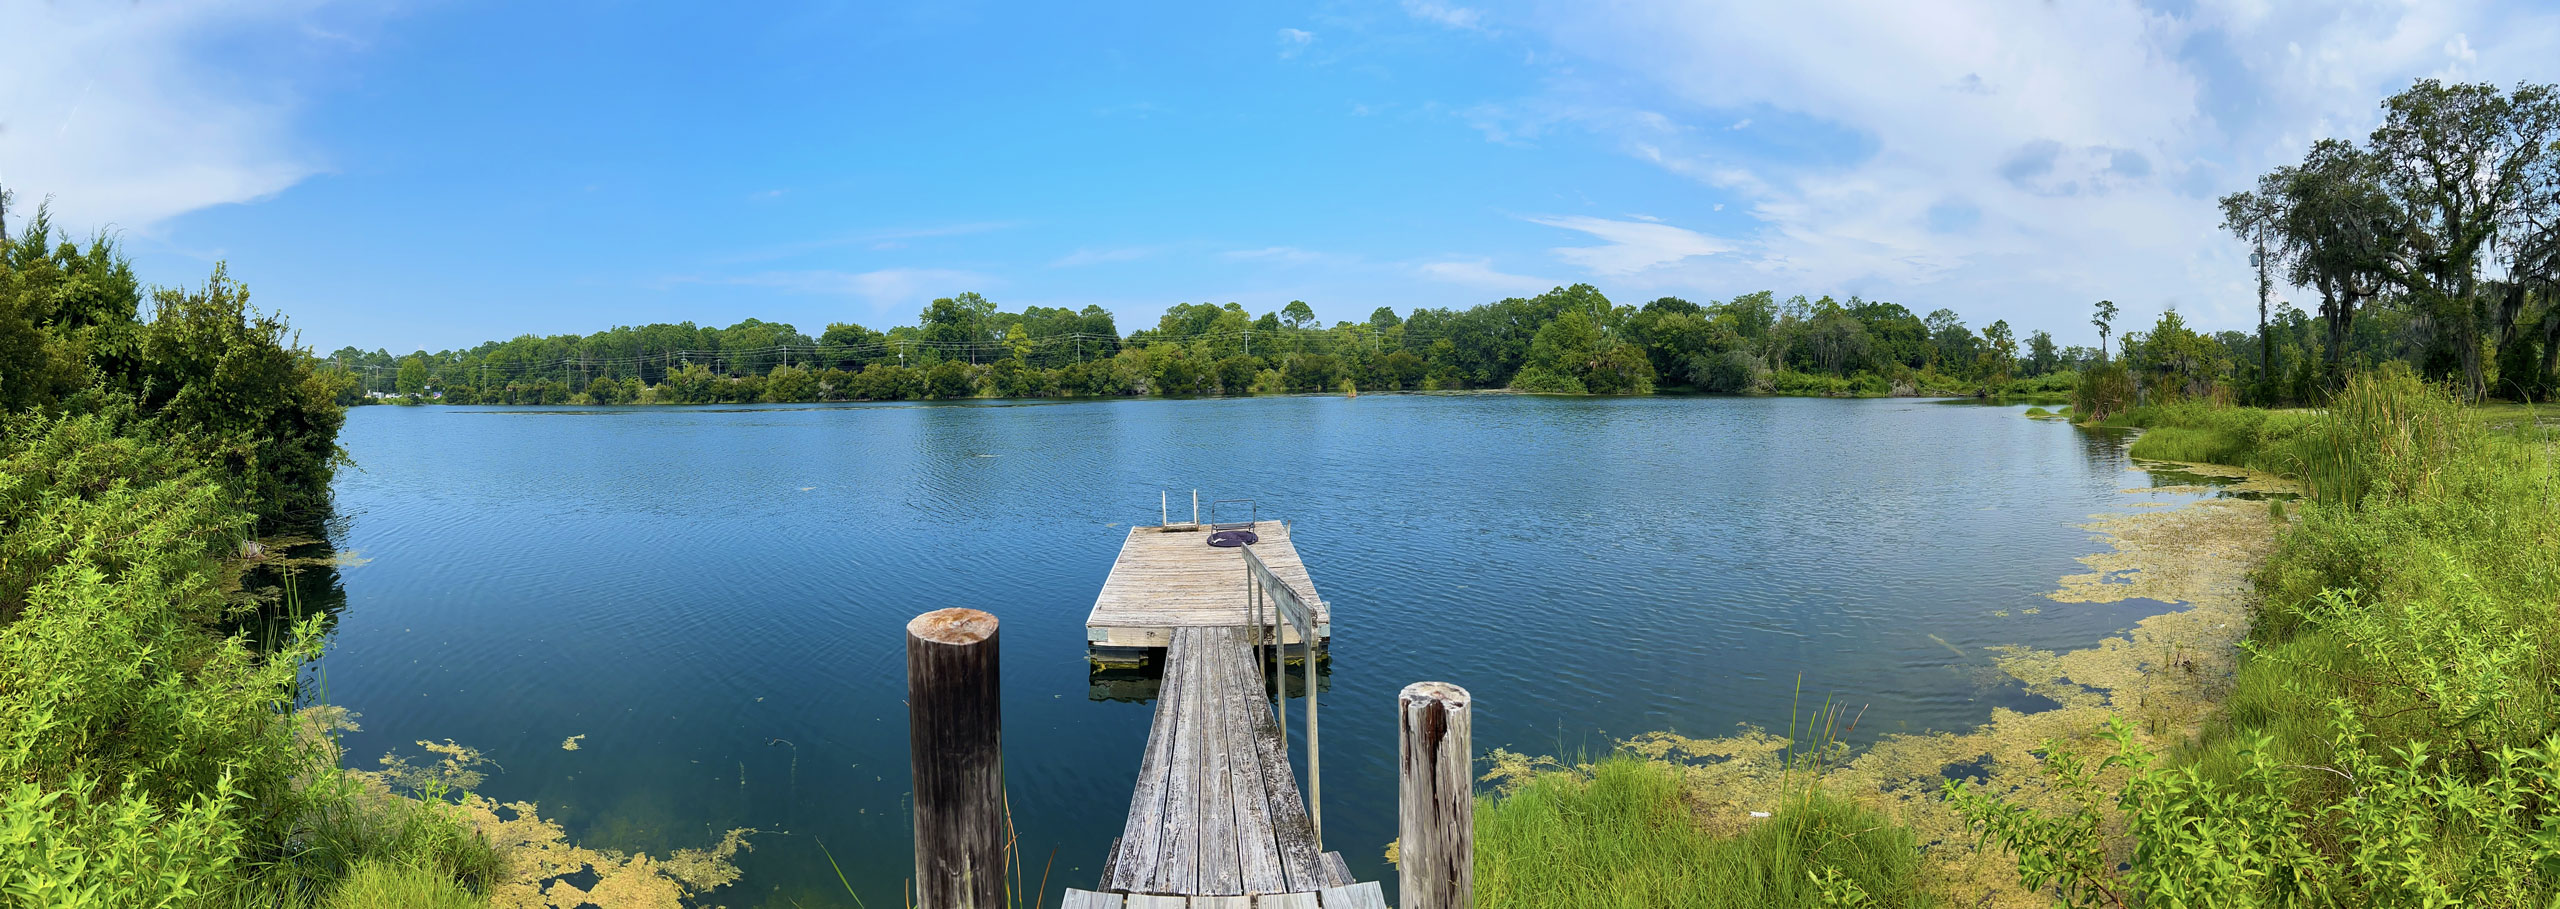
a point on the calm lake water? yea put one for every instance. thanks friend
(715, 598)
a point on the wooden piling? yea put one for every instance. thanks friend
(1436, 803)
(955, 744)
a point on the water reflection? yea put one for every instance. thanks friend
(715, 599)
(294, 579)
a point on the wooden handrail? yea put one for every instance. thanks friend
(1288, 606)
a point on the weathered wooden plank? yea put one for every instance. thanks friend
(955, 745)
(1305, 900)
(1288, 816)
(1220, 868)
(1141, 839)
(1086, 899)
(1145, 901)
(1357, 896)
(1336, 871)
(1178, 866)
(1257, 847)
(1165, 580)
(1435, 805)
(1222, 902)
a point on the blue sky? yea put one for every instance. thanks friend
(430, 175)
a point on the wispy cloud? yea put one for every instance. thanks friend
(882, 287)
(1632, 246)
(1480, 274)
(116, 111)
(1445, 14)
(884, 239)
(1099, 256)
(2012, 157)
(1294, 41)
(1289, 254)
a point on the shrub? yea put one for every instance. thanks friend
(2103, 391)
(1541, 380)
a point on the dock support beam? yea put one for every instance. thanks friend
(1436, 803)
(955, 743)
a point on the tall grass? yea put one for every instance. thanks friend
(2392, 736)
(377, 884)
(1627, 835)
(1632, 830)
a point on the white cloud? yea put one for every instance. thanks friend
(1099, 256)
(2013, 161)
(1444, 14)
(1294, 41)
(1479, 274)
(112, 110)
(1633, 246)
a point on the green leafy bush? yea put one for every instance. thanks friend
(1541, 380)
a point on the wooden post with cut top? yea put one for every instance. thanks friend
(955, 743)
(1436, 804)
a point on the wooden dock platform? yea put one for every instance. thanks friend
(1170, 578)
(1216, 819)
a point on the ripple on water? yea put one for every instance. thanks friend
(686, 585)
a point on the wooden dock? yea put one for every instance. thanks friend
(1170, 578)
(1216, 820)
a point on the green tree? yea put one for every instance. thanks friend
(957, 327)
(2105, 319)
(2254, 217)
(2458, 158)
(2003, 350)
(1297, 314)
(2042, 358)
(413, 375)
(1836, 339)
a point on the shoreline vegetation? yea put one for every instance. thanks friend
(2369, 718)
(162, 452)
(2352, 707)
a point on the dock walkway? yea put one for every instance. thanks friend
(1215, 820)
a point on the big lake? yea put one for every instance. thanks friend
(713, 600)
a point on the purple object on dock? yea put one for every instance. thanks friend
(1231, 539)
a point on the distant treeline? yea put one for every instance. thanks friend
(1569, 340)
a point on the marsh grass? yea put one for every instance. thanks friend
(1626, 834)
(1635, 829)
(377, 884)
(2392, 733)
